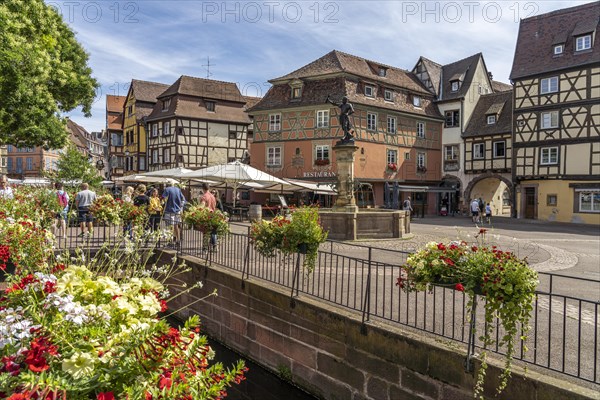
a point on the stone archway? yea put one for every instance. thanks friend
(499, 199)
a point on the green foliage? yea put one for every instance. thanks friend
(43, 72)
(508, 283)
(74, 168)
(106, 209)
(87, 326)
(286, 235)
(206, 221)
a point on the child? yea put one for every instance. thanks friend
(488, 213)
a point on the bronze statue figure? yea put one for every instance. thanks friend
(346, 110)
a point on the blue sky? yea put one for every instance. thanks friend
(250, 42)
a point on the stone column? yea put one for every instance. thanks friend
(344, 155)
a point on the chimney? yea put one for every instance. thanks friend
(490, 75)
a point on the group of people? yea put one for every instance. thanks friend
(167, 207)
(479, 210)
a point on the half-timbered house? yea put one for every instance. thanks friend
(114, 133)
(488, 148)
(139, 103)
(197, 122)
(457, 87)
(397, 128)
(556, 144)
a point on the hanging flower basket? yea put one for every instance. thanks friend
(302, 234)
(206, 221)
(508, 283)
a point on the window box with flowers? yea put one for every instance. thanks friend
(391, 167)
(421, 169)
(322, 161)
(506, 281)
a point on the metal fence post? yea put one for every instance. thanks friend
(246, 260)
(469, 366)
(366, 312)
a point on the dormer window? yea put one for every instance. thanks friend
(210, 106)
(166, 104)
(416, 101)
(558, 49)
(382, 71)
(583, 42)
(491, 119)
(454, 86)
(296, 86)
(388, 95)
(369, 91)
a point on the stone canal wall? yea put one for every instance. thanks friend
(323, 347)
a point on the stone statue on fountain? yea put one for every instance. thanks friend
(346, 109)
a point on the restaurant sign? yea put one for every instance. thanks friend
(318, 174)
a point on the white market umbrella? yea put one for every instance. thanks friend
(145, 179)
(168, 173)
(235, 174)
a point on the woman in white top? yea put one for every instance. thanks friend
(128, 194)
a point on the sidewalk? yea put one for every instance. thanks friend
(513, 224)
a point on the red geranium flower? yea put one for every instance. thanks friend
(459, 287)
(105, 396)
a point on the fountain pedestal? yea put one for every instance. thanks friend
(344, 155)
(344, 221)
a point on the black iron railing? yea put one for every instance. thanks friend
(565, 330)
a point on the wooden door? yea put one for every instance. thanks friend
(530, 203)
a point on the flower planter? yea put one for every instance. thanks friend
(9, 270)
(302, 248)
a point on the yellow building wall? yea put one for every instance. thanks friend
(563, 210)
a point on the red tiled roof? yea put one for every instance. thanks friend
(188, 97)
(147, 91)
(500, 86)
(534, 52)
(205, 88)
(337, 72)
(115, 122)
(339, 62)
(115, 103)
(499, 104)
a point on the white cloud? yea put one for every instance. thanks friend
(252, 42)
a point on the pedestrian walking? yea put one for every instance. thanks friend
(475, 210)
(60, 224)
(83, 201)
(209, 201)
(488, 213)
(407, 206)
(174, 202)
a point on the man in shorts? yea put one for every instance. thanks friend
(174, 202)
(83, 202)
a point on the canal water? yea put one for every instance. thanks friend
(260, 384)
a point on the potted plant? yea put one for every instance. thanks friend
(391, 167)
(301, 233)
(421, 169)
(322, 161)
(507, 282)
